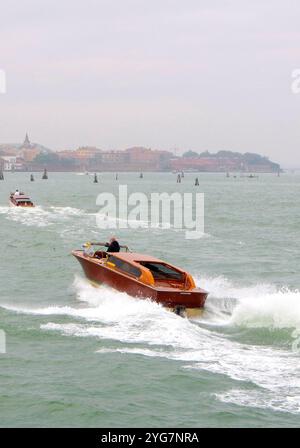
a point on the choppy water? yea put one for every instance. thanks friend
(80, 356)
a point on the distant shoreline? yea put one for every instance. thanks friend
(232, 173)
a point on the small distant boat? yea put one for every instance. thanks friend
(20, 200)
(143, 276)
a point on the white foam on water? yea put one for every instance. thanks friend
(68, 211)
(222, 288)
(277, 310)
(39, 216)
(134, 351)
(35, 216)
(258, 306)
(4, 209)
(111, 222)
(280, 402)
(150, 330)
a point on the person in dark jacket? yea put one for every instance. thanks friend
(113, 245)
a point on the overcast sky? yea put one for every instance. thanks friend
(186, 74)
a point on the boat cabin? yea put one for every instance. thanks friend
(21, 200)
(146, 269)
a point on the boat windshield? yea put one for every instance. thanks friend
(125, 267)
(162, 271)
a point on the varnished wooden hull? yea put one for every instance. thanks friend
(167, 296)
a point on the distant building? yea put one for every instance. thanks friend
(86, 152)
(147, 159)
(224, 161)
(115, 157)
(131, 159)
(204, 164)
(8, 163)
(33, 156)
(11, 163)
(28, 151)
(82, 158)
(30, 154)
(8, 150)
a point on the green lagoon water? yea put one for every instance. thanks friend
(79, 356)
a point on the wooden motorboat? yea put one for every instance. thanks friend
(144, 276)
(20, 200)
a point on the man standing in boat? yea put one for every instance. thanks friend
(112, 246)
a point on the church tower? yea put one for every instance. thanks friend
(26, 143)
